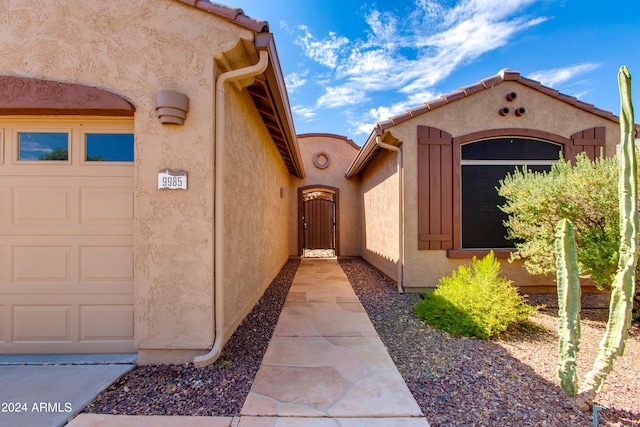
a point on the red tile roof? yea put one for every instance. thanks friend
(488, 83)
(231, 14)
(370, 149)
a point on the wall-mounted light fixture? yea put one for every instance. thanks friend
(171, 107)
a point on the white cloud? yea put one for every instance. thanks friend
(360, 128)
(306, 114)
(324, 51)
(412, 52)
(295, 80)
(556, 76)
(341, 95)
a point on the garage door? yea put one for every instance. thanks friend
(66, 235)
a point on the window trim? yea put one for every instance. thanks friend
(516, 163)
(62, 130)
(83, 146)
(458, 251)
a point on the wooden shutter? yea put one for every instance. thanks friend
(591, 141)
(435, 189)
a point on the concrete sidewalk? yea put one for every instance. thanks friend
(37, 394)
(325, 366)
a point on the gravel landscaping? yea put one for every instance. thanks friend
(216, 390)
(506, 382)
(456, 381)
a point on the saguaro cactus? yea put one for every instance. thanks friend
(568, 306)
(623, 285)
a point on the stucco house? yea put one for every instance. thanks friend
(152, 183)
(116, 255)
(440, 163)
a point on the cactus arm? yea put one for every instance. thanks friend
(568, 285)
(623, 286)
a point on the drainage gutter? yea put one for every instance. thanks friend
(219, 236)
(398, 151)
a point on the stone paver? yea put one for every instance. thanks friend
(325, 360)
(325, 367)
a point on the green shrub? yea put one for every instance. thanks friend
(586, 194)
(475, 301)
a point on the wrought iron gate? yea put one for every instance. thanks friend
(319, 223)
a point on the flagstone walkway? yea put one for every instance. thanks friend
(325, 366)
(325, 361)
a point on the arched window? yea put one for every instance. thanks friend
(461, 173)
(483, 164)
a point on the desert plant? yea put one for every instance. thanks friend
(584, 193)
(569, 294)
(474, 301)
(623, 285)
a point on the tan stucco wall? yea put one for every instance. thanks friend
(256, 215)
(341, 153)
(135, 49)
(381, 214)
(471, 114)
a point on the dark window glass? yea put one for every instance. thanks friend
(511, 149)
(109, 147)
(43, 146)
(482, 220)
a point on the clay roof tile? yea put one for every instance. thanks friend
(231, 14)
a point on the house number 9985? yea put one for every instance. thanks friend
(172, 179)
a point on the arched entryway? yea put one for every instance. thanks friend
(318, 221)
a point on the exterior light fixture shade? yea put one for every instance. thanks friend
(171, 107)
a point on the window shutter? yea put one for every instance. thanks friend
(591, 141)
(435, 189)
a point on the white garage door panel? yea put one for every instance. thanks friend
(106, 264)
(41, 322)
(106, 322)
(67, 264)
(2, 322)
(106, 206)
(70, 205)
(52, 323)
(41, 205)
(38, 264)
(2, 205)
(66, 244)
(4, 267)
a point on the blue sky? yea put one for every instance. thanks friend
(351, 63)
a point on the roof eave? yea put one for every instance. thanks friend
(366, 153)
(230, 14)
(275, 83)
(368, 150)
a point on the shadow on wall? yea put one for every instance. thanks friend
(380, 216)
(381, 261)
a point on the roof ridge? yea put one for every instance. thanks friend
(232, 14)
(487, 83)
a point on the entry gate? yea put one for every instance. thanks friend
(319, 223)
